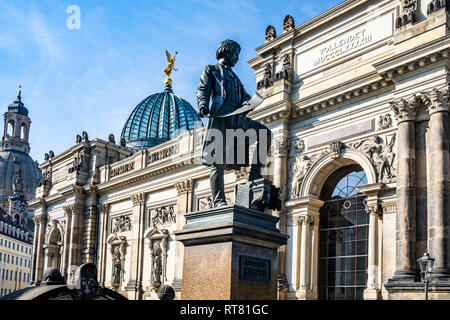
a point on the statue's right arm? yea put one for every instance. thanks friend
(204, 89)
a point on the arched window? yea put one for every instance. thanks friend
(10, 128)
(23, 131)
(343, 236)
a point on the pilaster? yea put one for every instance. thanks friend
(134, 285)
(280, 153)
(185, 190)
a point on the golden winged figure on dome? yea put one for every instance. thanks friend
(170, 67)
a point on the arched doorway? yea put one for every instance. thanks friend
(343, 241)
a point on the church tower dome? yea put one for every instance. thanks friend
(15, 160)
(16, 126)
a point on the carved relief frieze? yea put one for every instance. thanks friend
(163, 215)
(162, 154)
(127, 167)
(385, 122)
(380, 152)
(121, 224)
(300, 167)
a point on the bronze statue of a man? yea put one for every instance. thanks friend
(220, 85)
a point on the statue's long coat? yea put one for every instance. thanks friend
(227, 94)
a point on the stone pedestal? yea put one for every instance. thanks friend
(230, 254)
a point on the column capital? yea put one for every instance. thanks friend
(185, 186)
(436, 100)
(406, 109)
(373, 208)
(138, 199)
(307, 220)
(75, 208)
(40, 218)
(103, 208)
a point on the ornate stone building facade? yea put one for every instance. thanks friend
(357, 100)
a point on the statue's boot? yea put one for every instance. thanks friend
(262, 201)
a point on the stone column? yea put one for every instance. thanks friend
(303, 248)
(305, 252)
(185, 189)
(373, 209)
(75, 235)
(314, 264)
(40, 220)
(102, 245)
(35, 246)
(280, 153)
(438, 184)
(66, 242)
(405, 114)
(134, 285)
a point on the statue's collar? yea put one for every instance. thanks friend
(225, 66)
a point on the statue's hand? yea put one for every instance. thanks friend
(203, 112)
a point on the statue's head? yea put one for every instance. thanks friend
(228, 51)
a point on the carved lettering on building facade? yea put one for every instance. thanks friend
(343, 46)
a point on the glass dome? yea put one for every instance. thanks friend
(159, 118)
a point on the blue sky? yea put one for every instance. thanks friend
(92, 78)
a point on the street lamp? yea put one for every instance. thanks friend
(426, 267)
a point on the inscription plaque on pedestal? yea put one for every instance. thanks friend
(254, 269)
